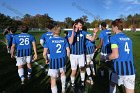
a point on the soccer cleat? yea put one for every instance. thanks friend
(22, 81)
(91, 81)
(72, 85)
(29, 76)
(63, 90)
(82, 83)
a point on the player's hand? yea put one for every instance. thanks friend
(12, 56)
(35, 57)
(47, 61)
(96, 30)
(74, 28)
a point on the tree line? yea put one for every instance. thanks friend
(44, 21)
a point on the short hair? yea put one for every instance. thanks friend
(56, 29)
(79, 21)
(103, 24)
(118, 23)
(24, 28)
(13, 29)
(84, 28)
(66, 32)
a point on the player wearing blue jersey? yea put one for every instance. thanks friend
(105, 46)
(23, 43)
(104, 43)
(122, 56)
(77, 38)
(9, 38)
(59, 50)
(45, 37)
(89, 49)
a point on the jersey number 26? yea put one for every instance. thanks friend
(24, 41)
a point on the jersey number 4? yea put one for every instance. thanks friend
(24, 41)
(58, 48)
(126, 48)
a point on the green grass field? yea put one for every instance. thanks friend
(40, 82)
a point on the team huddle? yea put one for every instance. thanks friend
(79, 47)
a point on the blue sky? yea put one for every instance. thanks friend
(60, 9)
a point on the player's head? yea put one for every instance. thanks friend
(56, 30)
(78, 24)
(84, 28)
(117, 25)
(13, 29)
(24, 29)
(52, 25)
(103, 25)
(65, 33)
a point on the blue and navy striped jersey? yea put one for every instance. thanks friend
(23, 44)
(78, 45)
(106, 46)
(46, 36)
(57, 47)
(90, 46)
(124, 64)
(9, 38)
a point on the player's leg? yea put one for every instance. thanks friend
(129, 90)
(114, 80)
(92, 67)
(73, 61)
(129, 83)
(53, 73)
(88, 71)
(81, 61)
(29, 67)
(20, 63)
(63, 79)
(88, 65)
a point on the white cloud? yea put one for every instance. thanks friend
(132, 1)
(107, 4)
(127, 9)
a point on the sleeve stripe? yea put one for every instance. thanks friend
(114, 46)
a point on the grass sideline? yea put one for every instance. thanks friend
(40, 82)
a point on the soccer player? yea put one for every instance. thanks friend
(104, 45)
(90, 46)
(23, 43)
(59, 50)
(77, 38)
(9, 37)
(122, 56)
(46, 35)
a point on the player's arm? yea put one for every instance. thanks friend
(99, 45)
(45, 55)
(115, 53)
(12, 50)
(42, 40)
(92, 38)
(35, 52)
(7, 40)
(68, 52)
(72, 35)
